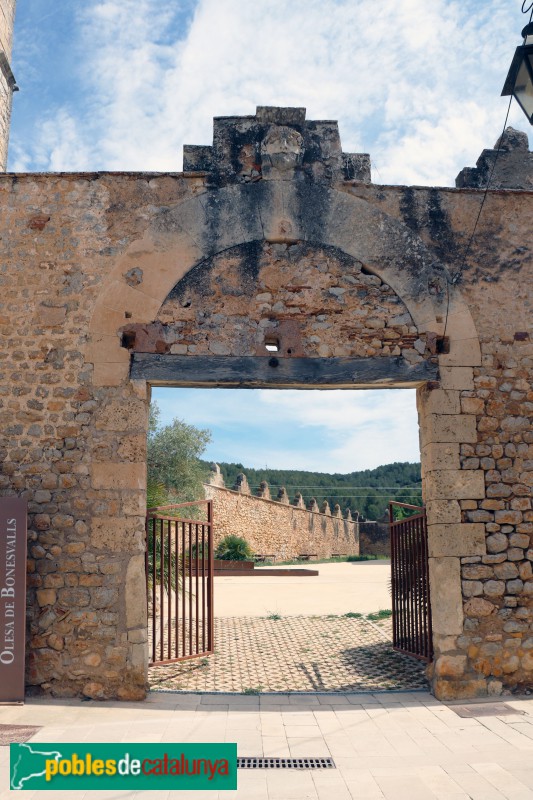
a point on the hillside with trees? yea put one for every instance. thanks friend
(176, 472)
(367, 491)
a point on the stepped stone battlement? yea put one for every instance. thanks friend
(276, 143)
(275, 526)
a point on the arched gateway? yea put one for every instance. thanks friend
(119, 281)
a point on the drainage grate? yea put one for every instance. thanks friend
(13, 734)
(285, 763)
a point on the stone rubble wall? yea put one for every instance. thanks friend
(86, 256)
(74, 450)
(279, 529)
(374, 538)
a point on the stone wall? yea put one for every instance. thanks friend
(334, 268)
(278, 528)
(374, 537)
(7, 81)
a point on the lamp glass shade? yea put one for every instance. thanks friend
(523, 88)
(519, 81)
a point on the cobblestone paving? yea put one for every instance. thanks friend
(325, 654)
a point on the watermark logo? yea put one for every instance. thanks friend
(123, 766)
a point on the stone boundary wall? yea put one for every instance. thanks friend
(277, 528)
(374, 538)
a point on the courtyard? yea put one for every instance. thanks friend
(326, 633)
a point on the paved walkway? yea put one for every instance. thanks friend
(338, 588)
(394, 746)
(327, 654)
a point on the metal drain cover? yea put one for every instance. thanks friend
(284, 763)
(485, 710)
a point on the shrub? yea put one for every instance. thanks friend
(233, 548)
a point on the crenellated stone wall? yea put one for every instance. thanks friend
(114, 282)
(278, 527)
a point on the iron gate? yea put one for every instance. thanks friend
(411, 609)
(179, 577)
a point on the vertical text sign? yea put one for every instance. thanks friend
(13, 524)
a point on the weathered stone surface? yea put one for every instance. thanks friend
(456, 540)
(494, 588)
(477, 572)
(278, 240)
(115, 535)
(506, 571)
(477, 607)
(283, 530)
(497, 543)
(135, 597)
(509, 164)
(472, 588)
(455, 484)
(450, 666)
(446, 603)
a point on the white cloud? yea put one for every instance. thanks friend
(330, 431)
(415, 83)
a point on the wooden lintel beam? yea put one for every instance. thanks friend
(253, 372)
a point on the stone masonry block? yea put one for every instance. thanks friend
(438, 401)
(161, 269)
(135, 593)
(455, 484)
(457, 378)
(446, 596)
(460, 428)
(118, 475)
(443, 512)
(125, 415)
(110, 374)
(459, 539)
(107, 322)
(463, 353)
(437, 456)
(116, 535)
(121, 297)
(105, 348)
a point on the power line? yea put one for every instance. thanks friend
(341, 486)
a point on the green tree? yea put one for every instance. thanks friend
(173, 458)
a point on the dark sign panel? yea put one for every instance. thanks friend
(13, 524)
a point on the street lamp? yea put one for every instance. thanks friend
(519, 82)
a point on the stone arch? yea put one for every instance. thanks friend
(183, 236)
(211, 223)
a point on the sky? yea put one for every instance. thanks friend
(123, 84)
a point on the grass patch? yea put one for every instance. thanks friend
(383, 613)
(353, 615)
(274, 616)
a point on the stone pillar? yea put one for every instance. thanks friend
(283, 497)
(298, 500)
(241, 484)
(263, 491)
(7, 79)
(444, 428)
(215, 476)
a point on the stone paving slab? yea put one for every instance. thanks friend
(393, 746)
(323, 654)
